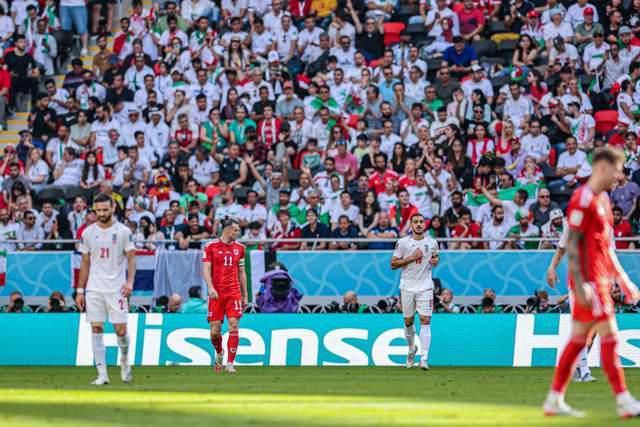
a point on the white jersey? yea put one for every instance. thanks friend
(416, 277)
(107, 249)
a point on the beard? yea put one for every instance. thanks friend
(105, 219)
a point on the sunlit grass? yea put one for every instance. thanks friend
(179, 396)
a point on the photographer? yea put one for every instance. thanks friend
(16, 304)
(56, 303)
(350, 304)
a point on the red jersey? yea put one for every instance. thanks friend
(226, 259)
(402, 215)
(406, 181)
(377, 180)
(591, 215)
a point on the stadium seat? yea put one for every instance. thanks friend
(241, 193)
(51, 194)
(496, 27)
(485, 48)
(498, 82)
(294, 175)
(415, 29)
(64, 40)
(70, 193)
(392, 32)
(606, 120)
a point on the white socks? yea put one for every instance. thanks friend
(99, 353)
(425, 340)
(123, 343)
(583, 362)
(409, 335)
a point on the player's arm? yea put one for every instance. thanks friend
(552, 276)
(82, 281)
(581, 289)
(622, 279)
(398, 262)
(242, 278)
(206, 273)
(131, 273)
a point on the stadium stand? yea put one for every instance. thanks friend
(362, 112)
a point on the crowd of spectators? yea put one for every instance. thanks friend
(319, 118)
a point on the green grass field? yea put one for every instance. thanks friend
(256, 396)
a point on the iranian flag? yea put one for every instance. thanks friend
(506, 194)
(3, 267)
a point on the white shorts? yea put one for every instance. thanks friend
(422, 302)
(101, 306)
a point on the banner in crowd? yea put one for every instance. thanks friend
(319, 275)
(307, 339)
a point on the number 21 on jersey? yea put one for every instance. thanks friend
(104, 252)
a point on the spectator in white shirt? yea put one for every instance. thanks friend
(204, 168)
(478, 81)
(535, 143)
(569, 164)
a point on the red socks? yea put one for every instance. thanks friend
(232, 346)
(611, 365)
(563, 372)
(217, 343)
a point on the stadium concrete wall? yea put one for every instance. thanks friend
(307, 340)
(325, 275)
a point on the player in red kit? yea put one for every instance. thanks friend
(223, 271)
(593, 269)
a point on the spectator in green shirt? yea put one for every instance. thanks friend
(195, 303)
(523, 229)
(239, 126)
(171, 10)
(284, 202)
(191, 195)
(16, 304)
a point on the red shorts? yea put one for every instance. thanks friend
(601, 307)
(229, 305)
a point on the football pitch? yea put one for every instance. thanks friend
(181, 396)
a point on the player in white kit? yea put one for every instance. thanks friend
(416, 254)
(582, 373)
(106, 282)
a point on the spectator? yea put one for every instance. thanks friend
(496, 229)
(542, 208)
(191, 236)
(350, 304)
(29, 231)
(174, 304)
(622, 228)
(625, 195)
(569, 166)
(195, 304)
(445, 303)
(314, 230)
(465, 229)
(384, 230)
(285, 229)
(16, 304)
(523, 229)
(401, 213)
(345, 232)
(552, 229)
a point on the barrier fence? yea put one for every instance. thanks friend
(311, 340)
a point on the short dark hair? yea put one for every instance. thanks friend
(228, 222)
(103, 198)
(617, 209)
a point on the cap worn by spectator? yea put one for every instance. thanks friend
(533, 14)
(555, 214)
(624, 30)
(476, 67)
(588, 11)
(273, 56)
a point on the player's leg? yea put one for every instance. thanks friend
(555, 404)
(216, 341)
(96, 315)
(232, 343)
(424, 307)
(627, 406)
(215, 317)
(408, 302)
(118, 311)
(233, 310)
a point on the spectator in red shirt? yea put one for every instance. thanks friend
(621, 228)
(472, 21)
(285, 229)
(378, 179)
(5, 91)
(402, 212)
(466, 228)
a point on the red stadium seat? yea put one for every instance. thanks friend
(606, 120)
(553, 157)
(392, 32)
(374, 63)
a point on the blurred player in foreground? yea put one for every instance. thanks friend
(106, 275)
(582, 373)
(416, 254)
(593, 266)
(223, 271)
